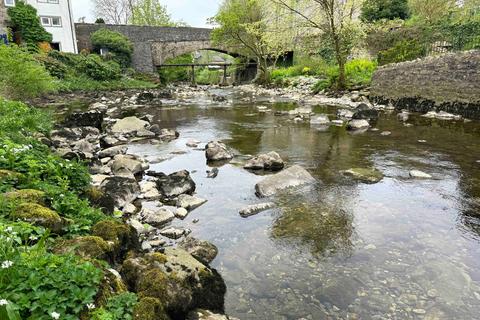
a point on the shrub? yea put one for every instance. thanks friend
(206, 76)
(174, 74)
(374, 10)
(402, 51)
(117, 44)
(24, 19)
(97, 69)
(54, 67)
(21, 75)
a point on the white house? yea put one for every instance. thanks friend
(56, 17)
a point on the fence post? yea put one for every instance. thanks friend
(193, 75)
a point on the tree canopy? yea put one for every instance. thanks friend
(150, 13)
(374, 10)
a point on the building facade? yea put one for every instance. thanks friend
(3, 22)
(56, 17)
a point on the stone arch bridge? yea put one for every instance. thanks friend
(153, 45)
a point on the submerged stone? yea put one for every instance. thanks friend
(366, 175)
(255, 209)
(419, 174)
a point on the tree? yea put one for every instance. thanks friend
(24, 20)
(114, 11)
(241, 28)
(151, 13)
(432, 11)
(334, 21)
(374, 10)
(117, 44)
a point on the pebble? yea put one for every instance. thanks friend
(422, 141)
(370, 247)
(432, 293)
(419, 311)
(477, 295)
(195, 220)
(386, 133)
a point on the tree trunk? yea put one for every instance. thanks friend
(263, 76)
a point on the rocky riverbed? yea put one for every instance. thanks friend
(297, 206)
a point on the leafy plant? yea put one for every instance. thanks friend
(118, 307)
(358, 72)
(117, 44)
(97, 69)
(54, 67)
(22, 76)
(374, 10)
(174, 74)
(24, 19)
(402, 51)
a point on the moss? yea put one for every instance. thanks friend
(153, 283)
(39, 215)
(94, 194)
(122, 236)
(90, 247)
(9, 175)
(158, 257)
(366, 175)
(111, 285)
(26, 195)
(149, 308)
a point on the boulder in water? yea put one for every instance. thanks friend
(270, 161)
(216, 151)
(290, 177)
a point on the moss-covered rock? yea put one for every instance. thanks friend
(26, 195)
(149, 308)
(121, 236)
(112, 284)
(177, 279)
(9, 175)
(366, 175)
(100, 200)
(39, 215)
(89, 247)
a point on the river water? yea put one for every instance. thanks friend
(340, 249)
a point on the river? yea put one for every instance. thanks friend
(402, 248)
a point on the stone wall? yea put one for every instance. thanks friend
(450, 82)
(143, 38)
(3, 18)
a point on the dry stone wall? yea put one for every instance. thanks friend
(450, 82)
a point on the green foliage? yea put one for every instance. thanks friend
(358, 72)
(38, 283)
(174, 74)
(118, 307)
(84, 83)
(117, 44)
(94, 67)
(151, 13)
(54, 67)
(17, 120)
(304, 66)
(374, 10)
(206, 76)
(22, 77)
(24, 19)
(402, 51)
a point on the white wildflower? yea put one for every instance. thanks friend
(9, 229)
(90, 306)
(3, 302)
(55, 315)
(33, 238)
(7, 264)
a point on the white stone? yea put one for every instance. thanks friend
(255, 209)
(189, 202)
(419, 174)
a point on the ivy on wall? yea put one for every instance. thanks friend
(25, 21)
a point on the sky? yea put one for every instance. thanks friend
(194, 12)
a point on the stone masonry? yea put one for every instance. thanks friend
(449, 82)
(152, 45)
(3, 18)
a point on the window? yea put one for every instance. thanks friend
(9, 3)
(51, 21)
(47, 1)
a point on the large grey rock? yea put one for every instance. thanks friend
(255, 209)
(178, 280)
(113, 151)
(358, 124)
(149, 191)
(130, 125)
(173, 232)
(128, 162)
(201, 250)
(157, 218)
(189, 202)
(216, 151)
(270, 161)
(85, 119)
(175, 184)
(364, 112)
(123, 190)
(290, 177)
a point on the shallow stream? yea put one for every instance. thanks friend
(399, 249)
